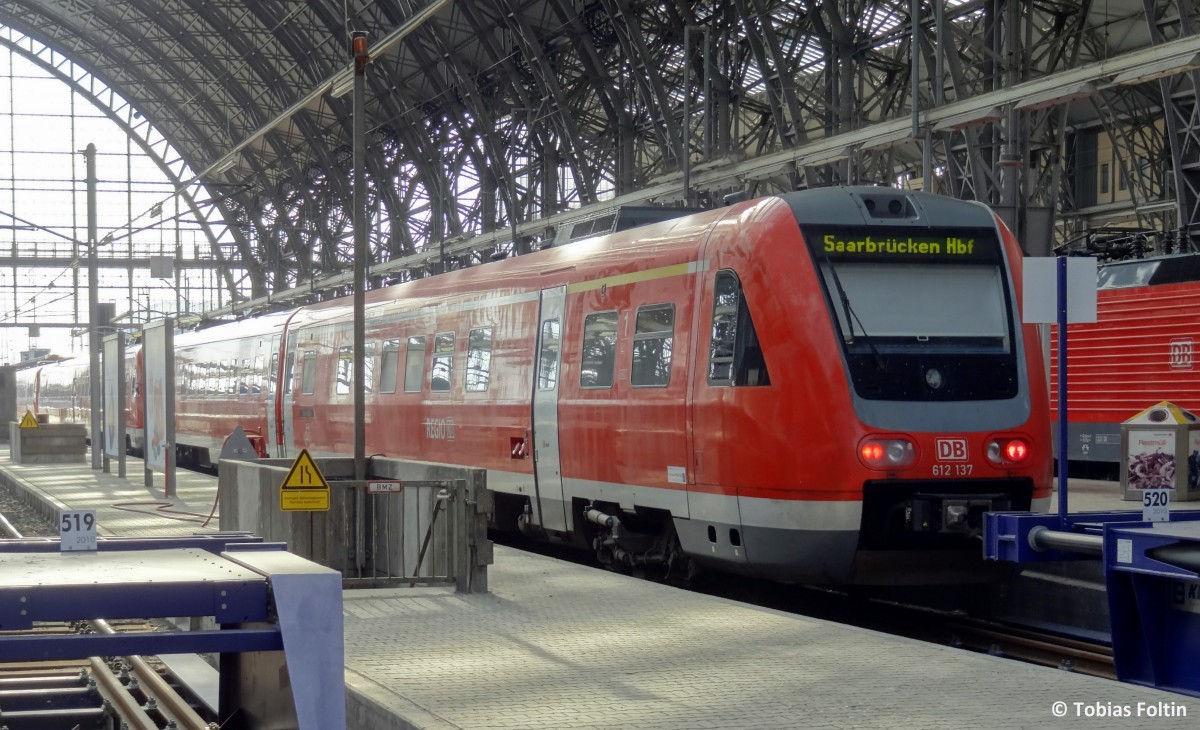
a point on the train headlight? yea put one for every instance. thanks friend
(887, 453)
(934, 379)
(1007, 451)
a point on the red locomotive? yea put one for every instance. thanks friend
(824, 386)
(1140, 351)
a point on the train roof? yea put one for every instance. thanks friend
(1173, 269)
(260, 326)
(672, 241)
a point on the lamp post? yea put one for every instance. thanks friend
(359, 49)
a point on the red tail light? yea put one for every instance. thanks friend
(887, 453)
(1007, 451)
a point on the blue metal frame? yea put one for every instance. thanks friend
(1156, 626)
(79, 646)
(213, 542)
(1006, 534)
(283, 602)
(1152, 577)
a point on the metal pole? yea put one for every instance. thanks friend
(1043, 538)
(685, 134)
(89, 155)
(359, 48)
(939, 68)
(1062, 390)
(914, 14)
(709, 125)
(939, 89)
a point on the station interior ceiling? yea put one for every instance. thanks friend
(498, 127)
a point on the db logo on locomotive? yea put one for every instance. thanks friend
(951, 449)
(1181, 354)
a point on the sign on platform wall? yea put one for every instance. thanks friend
(304, 489)
(1039, 296)
(113, 370)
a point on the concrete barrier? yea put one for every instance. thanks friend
(53, 443)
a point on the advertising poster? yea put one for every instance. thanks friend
(114, 406)
(159, 393)
(1193, 460)
(1151, 460)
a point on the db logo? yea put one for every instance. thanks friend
(951, 449)
(1181, 354)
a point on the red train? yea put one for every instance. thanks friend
(823, 386)
(1140, 351)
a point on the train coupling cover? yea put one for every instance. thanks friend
(953, 513)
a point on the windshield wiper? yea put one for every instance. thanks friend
(852, 317)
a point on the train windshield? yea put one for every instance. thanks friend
(922, 314)
(919, 306)
(896, 292)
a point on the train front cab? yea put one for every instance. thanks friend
(945, 393)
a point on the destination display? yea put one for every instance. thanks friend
(908, 245)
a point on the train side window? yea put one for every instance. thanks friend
(272, 372)
(368, 366)
(548, 359)
(443, 362)
(256, 380)
(599, 358)
(345, 370)
(653, 334)
(727, 296)
(389, 366)
(308, 373)
(479, 359)
(735, 356)
(288, 366)
(414, 364)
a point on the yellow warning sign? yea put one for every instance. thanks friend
(305, 474)
(29, 421)
(304, 489)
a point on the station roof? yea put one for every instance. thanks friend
(485, 116)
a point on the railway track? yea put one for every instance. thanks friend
(100, 693)
(1036, 647)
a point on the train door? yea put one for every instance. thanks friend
(274, 444)
(548, 365)
(287, 415)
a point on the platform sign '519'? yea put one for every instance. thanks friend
(77, 530)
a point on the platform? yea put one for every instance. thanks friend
(556, 645)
